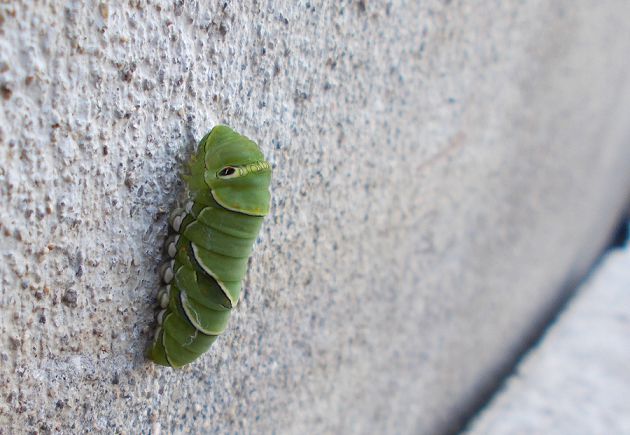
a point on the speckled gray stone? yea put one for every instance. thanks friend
(441, 169)
(576, 381)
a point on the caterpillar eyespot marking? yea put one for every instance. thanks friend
(227, 172)
(228, 186)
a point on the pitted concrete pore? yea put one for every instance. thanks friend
(439, 172)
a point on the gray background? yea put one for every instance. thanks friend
(576, 380)
(441, 170)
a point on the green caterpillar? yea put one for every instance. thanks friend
(213, 239)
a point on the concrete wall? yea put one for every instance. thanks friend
(576, 380)
(442, 168)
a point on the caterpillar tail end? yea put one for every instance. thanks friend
(156, 352)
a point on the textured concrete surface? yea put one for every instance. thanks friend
(577, 380)
(441, 170)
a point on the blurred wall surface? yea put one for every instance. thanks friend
(442, 169)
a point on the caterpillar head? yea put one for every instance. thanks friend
(236, 172)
